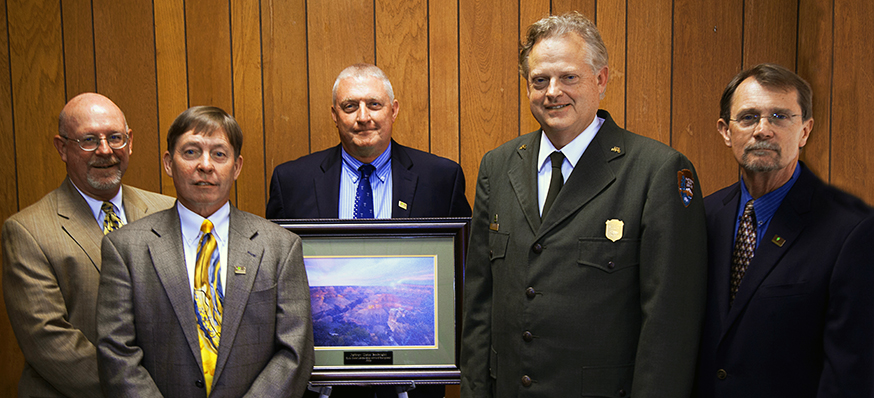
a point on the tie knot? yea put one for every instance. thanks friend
(748, 209)
(366, 170)
(107, 208)
(206, 227)
(557, 159)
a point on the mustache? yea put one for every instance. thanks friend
(760, 145)
(104, 162)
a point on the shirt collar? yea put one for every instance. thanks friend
(96, 205)
(382, 164)
(766, 205)
(573, 151)
(192, 221)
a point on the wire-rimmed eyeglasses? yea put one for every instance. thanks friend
(90, 143)
(749, 120)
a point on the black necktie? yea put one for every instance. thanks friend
(364, 195)
(555, 182)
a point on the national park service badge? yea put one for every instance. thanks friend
(686, 185)
(614, 229)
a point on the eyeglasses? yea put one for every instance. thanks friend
(776, 119)
(90, 143)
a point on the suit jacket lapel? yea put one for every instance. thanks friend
(244, 253)
(403, 181)
(724, 232)
(327, 185)
(522, 172)
(134, 206)
(168, 260)
(590, 176)
(77, 221)
(788, 222)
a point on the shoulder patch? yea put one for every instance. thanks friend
(686, 185)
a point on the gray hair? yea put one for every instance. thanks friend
(360, 71)
(559, 25)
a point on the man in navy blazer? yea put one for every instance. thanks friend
(797, 319)
(408, 183)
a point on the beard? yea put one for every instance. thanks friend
(105, 182)
(760, 164)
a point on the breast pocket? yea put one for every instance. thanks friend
(498, 244)
(609, 256)
(785, 290)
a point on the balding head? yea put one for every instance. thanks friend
(92, 116)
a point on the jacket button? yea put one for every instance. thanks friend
(621, 392)
(527, 336)
(721, 374)
(199, 383)
(611, 265)
(530, 292)
(537, 248)
(526, 381)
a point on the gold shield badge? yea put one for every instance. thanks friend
(614, 229)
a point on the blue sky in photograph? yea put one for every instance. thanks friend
(370, 271)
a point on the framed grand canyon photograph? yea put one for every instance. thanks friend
(386, 298)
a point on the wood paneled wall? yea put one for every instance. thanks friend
(453, 66)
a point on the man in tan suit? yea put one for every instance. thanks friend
(51, 250)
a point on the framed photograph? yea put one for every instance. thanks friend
(386, 298)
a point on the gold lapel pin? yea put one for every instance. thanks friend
(239, 270)
(777, 240)
(523, 147)
(616, 149)
(402, 204)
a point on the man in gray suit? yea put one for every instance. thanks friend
(203, 299)
(51, 250)
(586, 270)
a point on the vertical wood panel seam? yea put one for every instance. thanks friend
(625, 87)
(94, 51)
(157, 91)
(375, 60)
(671, 88)
(266, 189)
(230, 4)
(12, 109)
(743, 35)
(518, 36)
(458, 77)
(797, 33)
(306, 29)
(428, 62)
(831, 94)
(63, 46)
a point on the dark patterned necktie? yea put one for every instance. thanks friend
(364, 195)
(556, 181)
(111, 222)
(744, 249)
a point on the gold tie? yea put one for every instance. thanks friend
(111, 222)
(208, 298)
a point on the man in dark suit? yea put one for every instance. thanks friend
(586, 268)
(203, 299)
(790, 306)
(51, 250)
(406, 183)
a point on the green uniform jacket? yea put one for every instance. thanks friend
(555, 308)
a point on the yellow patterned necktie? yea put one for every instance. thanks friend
(111, 222)
(208, 298)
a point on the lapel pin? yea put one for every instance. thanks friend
(402, 204)
(239, 270)
(616, 149)
(777, 240)
(523, 147)
(494, 226)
